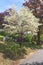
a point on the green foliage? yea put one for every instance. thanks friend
(1, 37)
(28, 38)
(41, 37)
(32, 45)
(13, 50)
(3, 33)
(15, 36)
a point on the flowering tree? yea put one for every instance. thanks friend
(29, 21)
(21, 22)
(12, 20)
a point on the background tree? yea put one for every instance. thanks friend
(37, 7)
(1, 20)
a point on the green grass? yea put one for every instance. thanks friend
(1, 37)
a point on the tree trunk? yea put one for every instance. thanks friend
(38, 35)
(39, 32)
(20, 39)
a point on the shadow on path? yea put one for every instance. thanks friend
(34, 63)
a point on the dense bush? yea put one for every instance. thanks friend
(14, 37)
(13, 50)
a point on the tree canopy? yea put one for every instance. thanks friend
(29, 21)
(37, 6)
(21, 22)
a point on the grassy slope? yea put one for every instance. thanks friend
(7, 61)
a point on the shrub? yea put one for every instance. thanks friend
(13, 50)
(28, 38)
(15, 36)
(3, 33)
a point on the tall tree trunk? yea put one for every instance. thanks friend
(38, 35)
(39, 32)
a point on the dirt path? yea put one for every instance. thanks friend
(7, 61)
(36, 59)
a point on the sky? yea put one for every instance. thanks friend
(5, 4)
